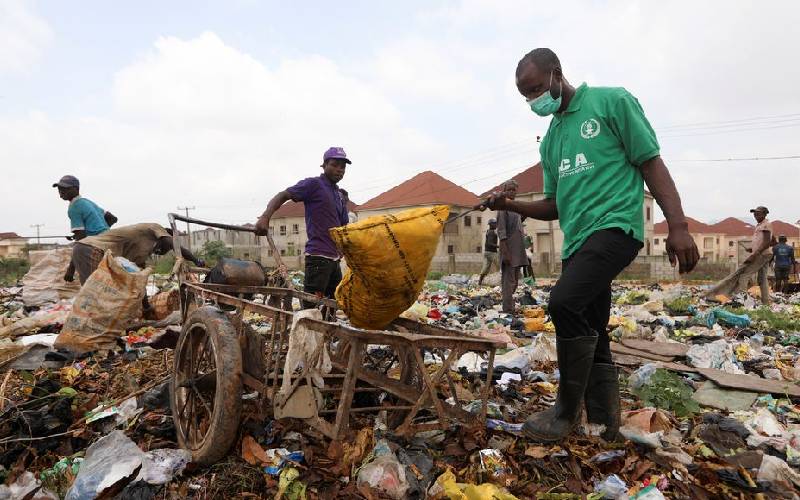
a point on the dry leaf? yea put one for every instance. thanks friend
(537, 451)
(252, 452)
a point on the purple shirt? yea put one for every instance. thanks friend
(325, 208)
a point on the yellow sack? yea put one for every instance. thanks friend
(388, 258)
(446, 488)
(108, 302)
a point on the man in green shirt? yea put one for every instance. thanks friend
(598, 153)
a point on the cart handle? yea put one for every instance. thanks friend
(276, 254)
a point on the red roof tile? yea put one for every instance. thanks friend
(5, 236)
(427, 188)
(295, 209)
(733, 227)
(530, 180)
(784, 228)
(695, 226)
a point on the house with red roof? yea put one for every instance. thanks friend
(547, 235)
(11, 245)
(726, 240)
(460, 237)
(709, 240)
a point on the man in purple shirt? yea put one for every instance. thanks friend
(325, 207)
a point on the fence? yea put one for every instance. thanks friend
(644, 267)
(658, 268)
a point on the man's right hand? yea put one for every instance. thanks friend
(495, 201)
(262, 226)
(682, 250)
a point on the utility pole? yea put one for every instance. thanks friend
(38, 238)
(188, 230)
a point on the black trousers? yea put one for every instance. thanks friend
(580, 302)
(322, 275)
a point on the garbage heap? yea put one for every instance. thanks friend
(710, 409)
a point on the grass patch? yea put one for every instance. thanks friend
(12, 270)
(765, 317)
(164, 264)
(435, 275)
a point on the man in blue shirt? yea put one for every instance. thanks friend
(86, 218)
(784, 263)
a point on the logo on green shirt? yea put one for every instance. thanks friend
(590, 128)
(566, 168)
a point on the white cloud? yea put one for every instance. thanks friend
(429, 69)
(23, 36)
(687, 62)
(198, 122)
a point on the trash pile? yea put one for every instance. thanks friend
(709, 393)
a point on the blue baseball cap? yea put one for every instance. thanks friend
(336, 153)
(68, 181)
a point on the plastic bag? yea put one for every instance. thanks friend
(612, 487)
(45, 283)
(33, 322)
(114, 458)
(26, 487)
(385, 473)
(640, 377)
(109, 300)
(388, 258)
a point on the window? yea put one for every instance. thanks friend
(269, 252)
(717, 241)
(282, 230)
(478, 249)
(295, 229)
(290, 248)
(451, 227)
(479, 220)
(730, 243)
(246, 255)
(467, 221)
(283, 252)
(450, 249)
(271, 230)
(648, 213)
(708, 242)
(655, 242)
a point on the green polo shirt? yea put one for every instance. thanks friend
(590, 159)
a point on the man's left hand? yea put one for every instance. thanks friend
(682, 250)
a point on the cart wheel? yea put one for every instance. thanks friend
(207, 386)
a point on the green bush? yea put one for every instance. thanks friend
(12, 270)
(435, 275)
(213, 251)
(164, 264)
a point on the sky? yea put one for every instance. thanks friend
(220, 105)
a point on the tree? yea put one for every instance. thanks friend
(213, 251)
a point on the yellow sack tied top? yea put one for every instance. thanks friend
(388, 258)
